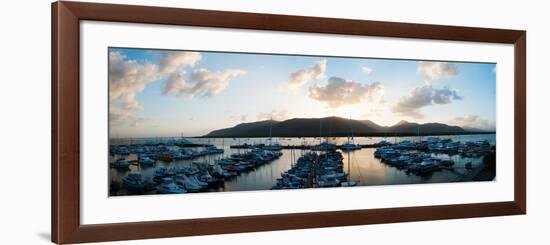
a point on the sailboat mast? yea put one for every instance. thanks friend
(320, 131)
(418, 132)
(270, 130)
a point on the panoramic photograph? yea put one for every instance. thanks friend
(184, 121)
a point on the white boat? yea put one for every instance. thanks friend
(133, 182)
(329, 180)
(350, 146)
(199, 182)
(147, 161)
(183, 141)
(183, 181)
(425, 167)
(182, 155)
(169, 187)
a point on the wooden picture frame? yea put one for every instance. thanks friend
(66, 226)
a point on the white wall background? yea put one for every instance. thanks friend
(25, 124)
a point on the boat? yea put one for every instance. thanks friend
(160, 174)
(133, 182)
(166, 158)
(182, 142)
(205, 177)
(169, 187)
(146, 161)
(195, 179)
(213, 150)
(190, 170)
(324, 146)
(404, 145)
(382, 143)
(273, 147)
(350, 147)
(447, 163)
(184, 182)
(183, 155)
(348, 184)
(216, 171)
(329, 180)
(424, 167)
(121, 163)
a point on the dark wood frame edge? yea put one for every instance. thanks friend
(66, 227)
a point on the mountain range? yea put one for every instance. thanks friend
(336, 127)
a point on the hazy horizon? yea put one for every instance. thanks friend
(168, 93)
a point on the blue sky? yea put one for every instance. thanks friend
(167, 93)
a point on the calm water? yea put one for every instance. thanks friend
(363, 166)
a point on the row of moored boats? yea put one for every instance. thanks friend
(198, 176)
(420, 157)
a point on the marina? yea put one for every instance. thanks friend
(190, 165)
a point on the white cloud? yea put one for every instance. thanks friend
(472, 121)
(432, 71)
(174, 60)
(367, 70)
(122, 117)
(423, 96)
(301, 77)
(339, 92)
(201, 82)
(274, 115)
(126, 79)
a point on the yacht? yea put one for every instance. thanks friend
(147, 161)
(199, 182)
(349, 146)
(329, 180)
(183, 141)
(169, 187)
(133, 182)
(184, 182)
(426, 166)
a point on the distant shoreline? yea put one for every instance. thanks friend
(331, 136)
